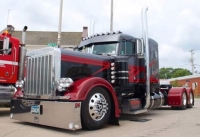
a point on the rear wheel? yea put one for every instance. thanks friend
(96, 109)
(184, 101)
(191, 100)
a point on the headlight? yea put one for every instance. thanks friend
(19, 83)
(64, 83)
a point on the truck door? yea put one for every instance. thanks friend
(154, 63)
(8, 63)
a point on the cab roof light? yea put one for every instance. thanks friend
(97, 35)
(112, 32)
(118, 32)
(6, 32)
(107, 33)
(9, 29)
(102, 34)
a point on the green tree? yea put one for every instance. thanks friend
(175, 84)
(167, 73)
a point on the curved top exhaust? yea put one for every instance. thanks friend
(146, 45)
(22, 54)
(24, 35)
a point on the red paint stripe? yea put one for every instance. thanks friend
(134, 70)
(105, 65)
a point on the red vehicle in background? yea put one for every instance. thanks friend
(10, 53)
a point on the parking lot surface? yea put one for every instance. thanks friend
(162, 122)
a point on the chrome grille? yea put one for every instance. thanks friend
(39, 75)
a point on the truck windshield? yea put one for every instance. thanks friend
(101, 48)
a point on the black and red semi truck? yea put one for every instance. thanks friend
(107, 75)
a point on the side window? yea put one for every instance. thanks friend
(127, 48)
(86, 49)
(1, 46)
(5, 51)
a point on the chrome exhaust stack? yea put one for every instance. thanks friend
(22, 54)
(24, 36)
(146, 45)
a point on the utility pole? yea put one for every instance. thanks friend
(111, 17)
(192, 60)
(60, 24)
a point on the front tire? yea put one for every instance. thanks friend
(96, 109)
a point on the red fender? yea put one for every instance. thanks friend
(81, 87)
(175, 96)
(188, 90)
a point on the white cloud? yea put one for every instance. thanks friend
(172, 56)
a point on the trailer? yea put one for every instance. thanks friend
(107, 75)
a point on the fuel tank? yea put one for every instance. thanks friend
(157, 100)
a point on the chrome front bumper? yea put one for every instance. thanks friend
(64, 115)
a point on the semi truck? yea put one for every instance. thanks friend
(9, 61)
(107, 75)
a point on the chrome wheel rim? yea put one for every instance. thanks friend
(184, 99)
(98, 107)
(191, 98)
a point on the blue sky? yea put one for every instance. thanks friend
(175, 25)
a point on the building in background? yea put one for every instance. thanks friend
(41, 39)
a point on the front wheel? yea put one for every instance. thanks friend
(96, 109)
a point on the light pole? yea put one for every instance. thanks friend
(192, 60)
(60, 24)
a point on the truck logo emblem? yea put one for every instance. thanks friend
(77, 105)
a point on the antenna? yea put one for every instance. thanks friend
(8, 17)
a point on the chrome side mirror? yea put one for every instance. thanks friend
(140, 46)
(6, 43)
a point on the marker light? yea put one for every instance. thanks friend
(19, 83)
